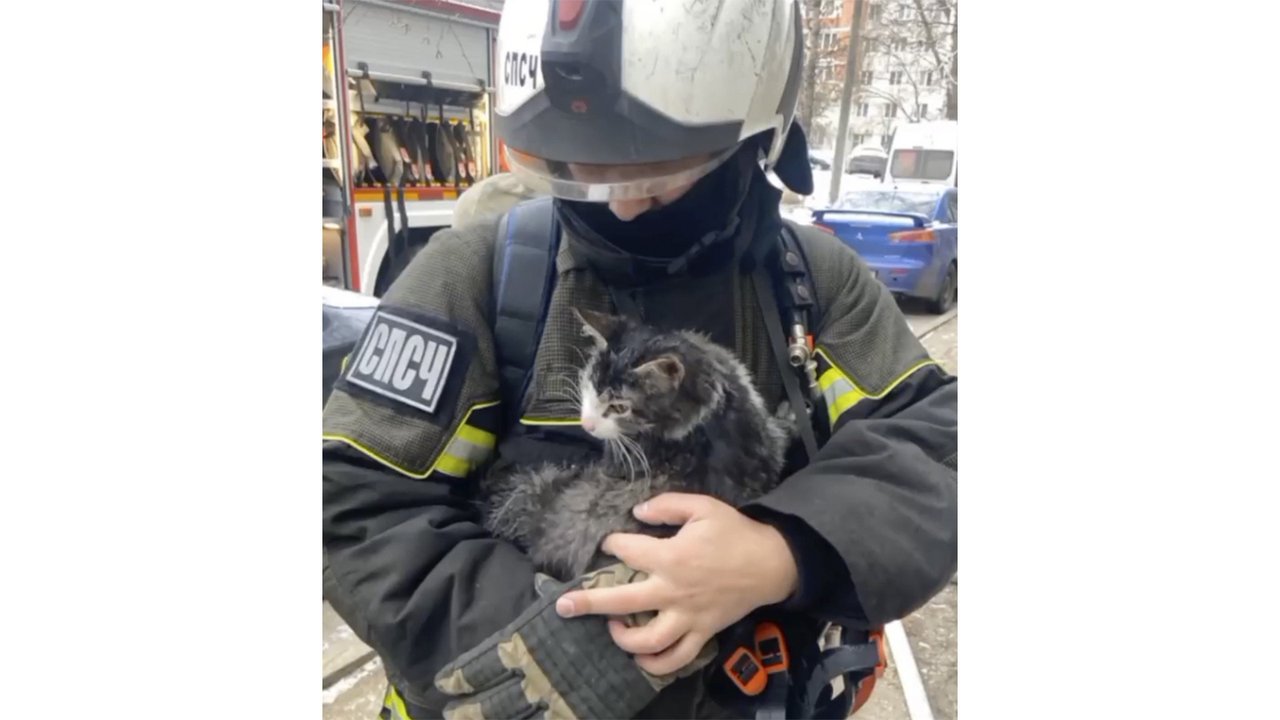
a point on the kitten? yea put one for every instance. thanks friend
(674, 412)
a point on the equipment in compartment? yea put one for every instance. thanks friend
(467, 161)
(425, 141)
(406, 128)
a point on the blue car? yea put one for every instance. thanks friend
(906, 234)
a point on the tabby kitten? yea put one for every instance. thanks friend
(674, 412)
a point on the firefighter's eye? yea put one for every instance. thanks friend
(617, 408)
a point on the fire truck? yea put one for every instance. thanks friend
(407, 127)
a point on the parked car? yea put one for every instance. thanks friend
(906, 234)
(867, 160)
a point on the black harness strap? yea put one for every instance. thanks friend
(801, 294)
(847, 661)
(777, 341)
(625, 302)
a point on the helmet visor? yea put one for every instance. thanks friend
(603, 183)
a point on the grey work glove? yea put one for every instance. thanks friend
(543, 665)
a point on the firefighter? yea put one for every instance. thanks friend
(654, 126)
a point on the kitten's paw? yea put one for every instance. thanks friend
(785, 422)
(784, 412)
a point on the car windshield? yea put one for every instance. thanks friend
(922, 164)
(921, 203)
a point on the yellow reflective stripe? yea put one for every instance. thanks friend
(476, 436)
(839, 392)
(842, 393)
(393, 702)
(452, 465)
(470, 447)
(550, 421)
(447, 462)
(343, 368)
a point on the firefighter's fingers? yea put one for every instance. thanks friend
(635, 597)
(673, 658)
(653, 637)
(642, 552)
(675, 508)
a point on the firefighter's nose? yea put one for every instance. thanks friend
(628, 210)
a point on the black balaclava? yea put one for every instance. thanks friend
(707, 213)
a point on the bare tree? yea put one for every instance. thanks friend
(825, 47)
(916, 40)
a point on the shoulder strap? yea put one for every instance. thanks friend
(800, 407)
(798, 281)
(523, 278)
(789, 298)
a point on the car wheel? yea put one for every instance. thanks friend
(948, 293)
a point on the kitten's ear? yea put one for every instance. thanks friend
(666, 371)
(596, 326)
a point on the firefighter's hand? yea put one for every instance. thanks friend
(719, 567)
(542, 664)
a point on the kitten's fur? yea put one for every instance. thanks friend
(695, 424)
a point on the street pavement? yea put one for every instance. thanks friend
(354, 681)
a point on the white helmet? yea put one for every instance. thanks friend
(616, 99)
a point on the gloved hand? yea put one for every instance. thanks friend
(543, 665)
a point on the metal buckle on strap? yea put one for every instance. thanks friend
(771, 649)
(746, 672)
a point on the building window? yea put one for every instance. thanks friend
(924, 110)
(868, 77)
(862, 109)
(875, 13)
(927, 77)
(895, 77)
(890, 110)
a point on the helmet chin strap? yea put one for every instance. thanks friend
(678, 264)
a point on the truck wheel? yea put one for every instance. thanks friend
(948, 293)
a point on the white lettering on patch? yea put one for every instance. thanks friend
(404, 360)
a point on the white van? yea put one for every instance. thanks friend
(924, 153)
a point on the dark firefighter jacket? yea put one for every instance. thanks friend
(872, 521)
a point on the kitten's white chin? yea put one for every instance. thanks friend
(605, 431)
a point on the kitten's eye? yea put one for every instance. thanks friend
(617, 408)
